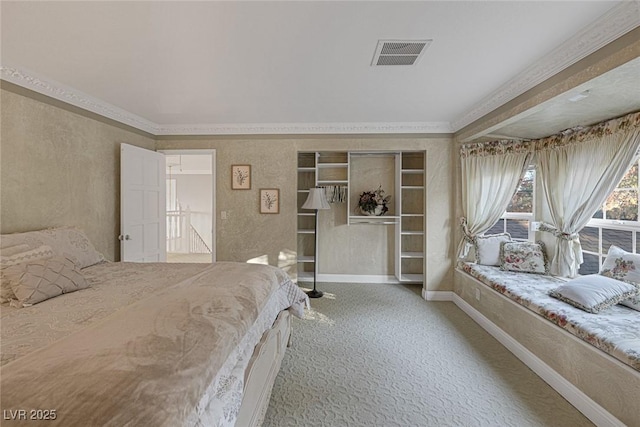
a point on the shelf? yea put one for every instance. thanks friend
(412, 187)
(307, 169)
(306, 258)
(332, 165)
(413, 171)
(409, 277)
(303, 191)
(306, 231)
(306, 214)
(412, 255)
(305, 277)
(413, 233)
(378, 220)
(412, 215)
(333, 181)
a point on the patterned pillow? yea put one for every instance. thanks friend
(633, 302)
(621, 265)
(524, 257)
(594, 293)
(65, 241)
(488, 248)
(36, 281)
(42, 252)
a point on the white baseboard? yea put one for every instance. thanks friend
(596, 413)
(437, 295)
(357, 278)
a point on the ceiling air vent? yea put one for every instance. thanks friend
(399, 52)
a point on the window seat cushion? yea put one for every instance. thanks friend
(614, 330)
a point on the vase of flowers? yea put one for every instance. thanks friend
(373, 202)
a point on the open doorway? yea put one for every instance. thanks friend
(190, 206)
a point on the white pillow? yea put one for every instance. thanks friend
(594, 293)
(633, 302)
(621, 265)
(69, 242)
(488, 248)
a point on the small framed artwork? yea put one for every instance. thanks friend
(241, 177)
(269, 200)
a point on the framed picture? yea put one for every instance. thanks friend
(269, 200)
(241, 177)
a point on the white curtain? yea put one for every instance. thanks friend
(490, 175)
(577, 171)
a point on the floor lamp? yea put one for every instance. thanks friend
(315, 201)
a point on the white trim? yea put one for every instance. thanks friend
(618, 21)
(437, 295)
(305, 128)
(596, 413)
(357, 278)
(61, 92)
(214, 209)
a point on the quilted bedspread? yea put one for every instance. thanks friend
(146, 344)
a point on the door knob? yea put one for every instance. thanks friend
(125, 237)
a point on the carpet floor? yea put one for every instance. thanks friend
(380, 355)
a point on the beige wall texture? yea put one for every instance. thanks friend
(247, 234)
(58, 168)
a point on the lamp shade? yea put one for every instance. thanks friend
(316, 200)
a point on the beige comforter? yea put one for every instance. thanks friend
(154, 361)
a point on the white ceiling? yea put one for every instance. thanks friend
(176, 67)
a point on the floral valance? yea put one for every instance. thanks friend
(494, 148)
(581, 134)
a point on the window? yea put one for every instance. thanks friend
(615, 224)
(519, 214)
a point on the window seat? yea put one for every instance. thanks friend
(615, 331)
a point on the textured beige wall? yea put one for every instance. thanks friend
(247, 234)
(60, 168)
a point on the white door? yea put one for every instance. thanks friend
(142, 205)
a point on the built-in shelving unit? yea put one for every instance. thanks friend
(401, 175)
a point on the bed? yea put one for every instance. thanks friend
(145, 344)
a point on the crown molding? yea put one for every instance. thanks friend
(305, 128)
(56, 90)
(61, 92)
(618, 21)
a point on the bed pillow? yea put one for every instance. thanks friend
(42, 252)
(36, 281)
(594, 293)
(488, 248)
(70, 242)
(621, 265)
(524, 257)
(12, 250)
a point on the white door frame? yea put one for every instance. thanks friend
(211, 152)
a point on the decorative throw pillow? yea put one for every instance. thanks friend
(621, 265)
(488, 248)
(594, 293)
(65, 241)
(42, 252)
(36, 281)
(633, 302)
(524, 257)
